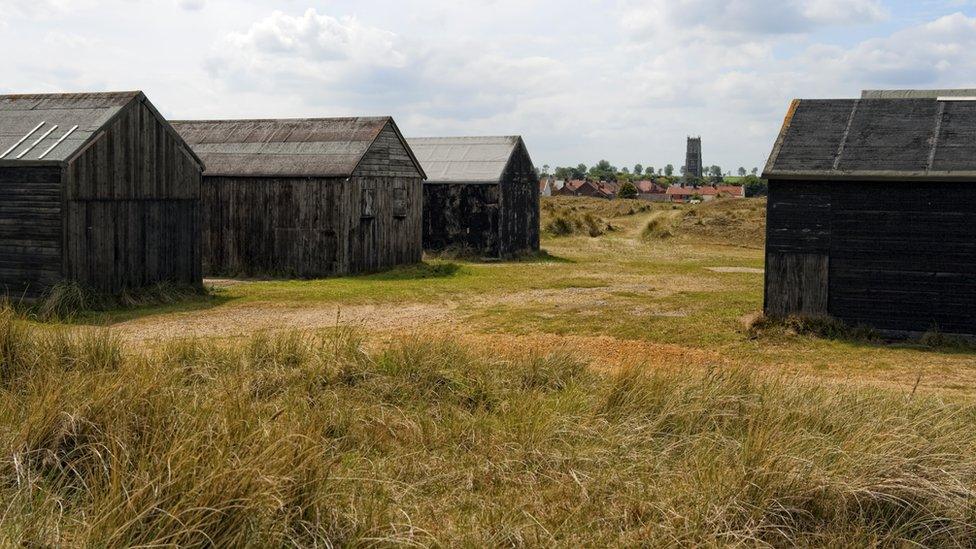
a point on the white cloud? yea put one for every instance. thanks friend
(934, 54)
(722, 20)
(191, 5)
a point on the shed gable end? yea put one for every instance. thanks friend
(388, 156)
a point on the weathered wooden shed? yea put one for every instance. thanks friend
(481, 195)
(95, 188)
(307, 197)
(872, 213)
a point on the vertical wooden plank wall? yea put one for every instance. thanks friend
(30, 230)
(392, 235)
(464, 216)
(520, 205)
(279, 226)
(797, 248)
(132, 208)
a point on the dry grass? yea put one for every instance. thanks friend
(566, 216)
(309, 440)
(734, 221)
(67, 300)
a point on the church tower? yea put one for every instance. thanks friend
(693, 158)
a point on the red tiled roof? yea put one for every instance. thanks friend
(732, 190)
(648, 187)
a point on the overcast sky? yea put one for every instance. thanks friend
(582, 80)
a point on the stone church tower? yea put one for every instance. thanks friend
(693, 158)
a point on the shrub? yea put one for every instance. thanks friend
(627, 191)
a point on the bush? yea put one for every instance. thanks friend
(627, 191)
(755, 186)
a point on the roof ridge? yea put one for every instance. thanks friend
(121, 93)
(295, 119)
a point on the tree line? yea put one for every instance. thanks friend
(605, 171)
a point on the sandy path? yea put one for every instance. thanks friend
(243, 320)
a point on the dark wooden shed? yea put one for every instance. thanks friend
(307, 197)
(872, 214)
(481, 195)
(95, 188)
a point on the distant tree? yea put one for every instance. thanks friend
(580, 172)
(545, 169)
(603, 171)
(755, 186)
(562, 173)
(669, 170)
(627, 190)
(638, 169)
(715, 171)
(755, 171)
(650, 170)
(625, 170)
(742, 171)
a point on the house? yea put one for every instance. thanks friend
(730, 191)
(679, 194)
(482, 195)
(871, 209)
(307, 197)
(608, 189)
(593, 189)
(546, 185)
(703, 193)
(97, 189)
(651, 191)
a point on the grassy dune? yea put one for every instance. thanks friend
(302, 439)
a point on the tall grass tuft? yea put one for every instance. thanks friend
(68, 299)
(311, 440)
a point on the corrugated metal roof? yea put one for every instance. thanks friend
(915, 94)
(876, 139)
(319, 147)
(30, 125)
(464, 159)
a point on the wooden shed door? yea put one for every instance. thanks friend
(796, 284)
(797, 248)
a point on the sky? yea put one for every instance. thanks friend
(580, 80)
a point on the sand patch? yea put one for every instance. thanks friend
(735, 270)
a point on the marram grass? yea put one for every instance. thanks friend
(293, 440)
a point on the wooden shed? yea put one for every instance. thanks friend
(307, 197)
(481, 195)
(95, 188)
(872, 214)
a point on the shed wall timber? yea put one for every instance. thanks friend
(458, 215)
(387, 157)
(30, 230)
(519, 205)
(390, 236)
(271, 226)
(308, 227)
(901, 255)
(131, 207)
